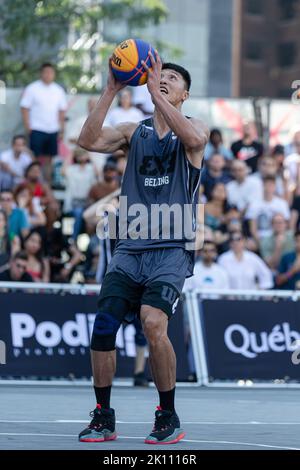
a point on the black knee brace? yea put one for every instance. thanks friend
(111, 312)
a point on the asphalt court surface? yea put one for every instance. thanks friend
(50, 417)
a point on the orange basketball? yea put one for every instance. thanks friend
(126, 61)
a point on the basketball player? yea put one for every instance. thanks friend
(146, 275)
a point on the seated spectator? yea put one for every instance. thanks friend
(80, 177)
(213, 173)
(215, 208)
(38, 264)
(215, 145)
(8, 247)
(124, 112)
(14, 161)
(245, 269)
(292, 162)
(233, 222)
(279, 243)
(267, 166)
(289, 268)
(243, 189)
(92, 259)
(111, 182)
(295, 213)
(207, 273)
(142, 100)
(260, 213)
(42, 191)
(64, 256)
(17, 271)
(31, 206)
(18, 224)
(248, 149)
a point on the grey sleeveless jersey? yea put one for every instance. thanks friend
(158, 196)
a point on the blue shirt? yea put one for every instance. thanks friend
(17, 221)
(285, 265)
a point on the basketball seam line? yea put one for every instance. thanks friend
(124, 57)
(138, 71)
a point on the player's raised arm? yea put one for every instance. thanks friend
(94, 136)
(193, 133)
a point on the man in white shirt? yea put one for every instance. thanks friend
(142, 100)
(267, 166)
(43, 107)
(207, 273)
(260, 213)
(243, 189)
(292, 161)
(245, 269)
(124, 112)
(15, 160)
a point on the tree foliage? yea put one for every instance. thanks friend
(67, 33)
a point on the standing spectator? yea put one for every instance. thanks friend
(213, 173)
(8, 247)
(43, 107)
(245, 269)
(79, 179)
(18, 224)
(42, 191)
(207, 273)
(215, 145)
(289, 268)
(31, 206)
(38, 265)
(281, 242)
(248, 149)
(15, 160)
(260, 213)
(242, 190)
(216, 207)
(124, 112)
(17, 271)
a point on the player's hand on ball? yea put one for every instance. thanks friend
(112, 83)
(154, 73)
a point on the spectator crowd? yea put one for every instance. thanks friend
(251, 194)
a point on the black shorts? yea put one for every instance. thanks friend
(42, 143)
(154, 278)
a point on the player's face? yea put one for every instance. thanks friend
(173, 87)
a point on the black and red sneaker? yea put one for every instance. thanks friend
(166, 428)
(102, 426)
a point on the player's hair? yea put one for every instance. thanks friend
(181, 70)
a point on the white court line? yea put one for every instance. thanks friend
(209, 423)
(193, 441)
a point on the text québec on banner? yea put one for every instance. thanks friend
(250, 339)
